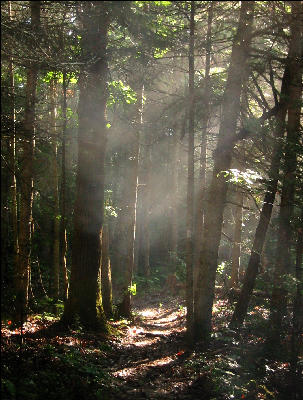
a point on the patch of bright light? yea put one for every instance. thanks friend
(148, 312)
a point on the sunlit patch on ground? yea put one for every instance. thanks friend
(125, 372)
(149, 313)
(146, 342)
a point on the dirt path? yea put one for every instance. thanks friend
(147, 362)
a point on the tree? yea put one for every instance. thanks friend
(283, 259)
(265, 215)
(237, 76)
(26, 178)
(84, 297)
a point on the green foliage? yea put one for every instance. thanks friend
(133, 289)
(58, 76)
(120, 93)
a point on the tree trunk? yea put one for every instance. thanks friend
(12, 156)
(85, 298)
(126, 224)
(55, 190)
(222, 160)
(106, 279)
(199, 212)
(142, 235)
(297, 339)
(269, 198)
(26, 178)
(283, 260)
(190, 176)
(173, 204)
(63, 241)
(236, 249)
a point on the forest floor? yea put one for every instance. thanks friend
(148, 359)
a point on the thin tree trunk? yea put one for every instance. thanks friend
(222, 160)
(236, 249)
(106, 280)
(283, 260)
(26, 179)
(142, 235)
(265, 215)
(85, 296)
(127, 221)
(55, 190)
(190, 177)
(174, 198)
(199, 212)
(297, 339)
(12, 157)
(63, 240)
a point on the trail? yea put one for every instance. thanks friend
(147, 362)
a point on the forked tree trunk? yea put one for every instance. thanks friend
(26, 178)
(237, 76)
(84, 296)
(283, 257)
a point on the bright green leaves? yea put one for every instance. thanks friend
(120, 94)
(58, 76)
(158, 53)
(133, 289)
(244, 178)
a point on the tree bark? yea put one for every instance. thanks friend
(55, 190)
(63, 221)
(283, 259)
(106, 280)
(26, 178)
(236, 248)
(237, 76)
(127, 219)
(12, 156)
(297, 339)
(85, 297)
(199, 212)
(144, 208)
(190, 176)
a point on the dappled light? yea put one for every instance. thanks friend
(151, 200)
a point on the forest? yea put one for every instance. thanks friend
(151, 200)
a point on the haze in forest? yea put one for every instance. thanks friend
(151, 177)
